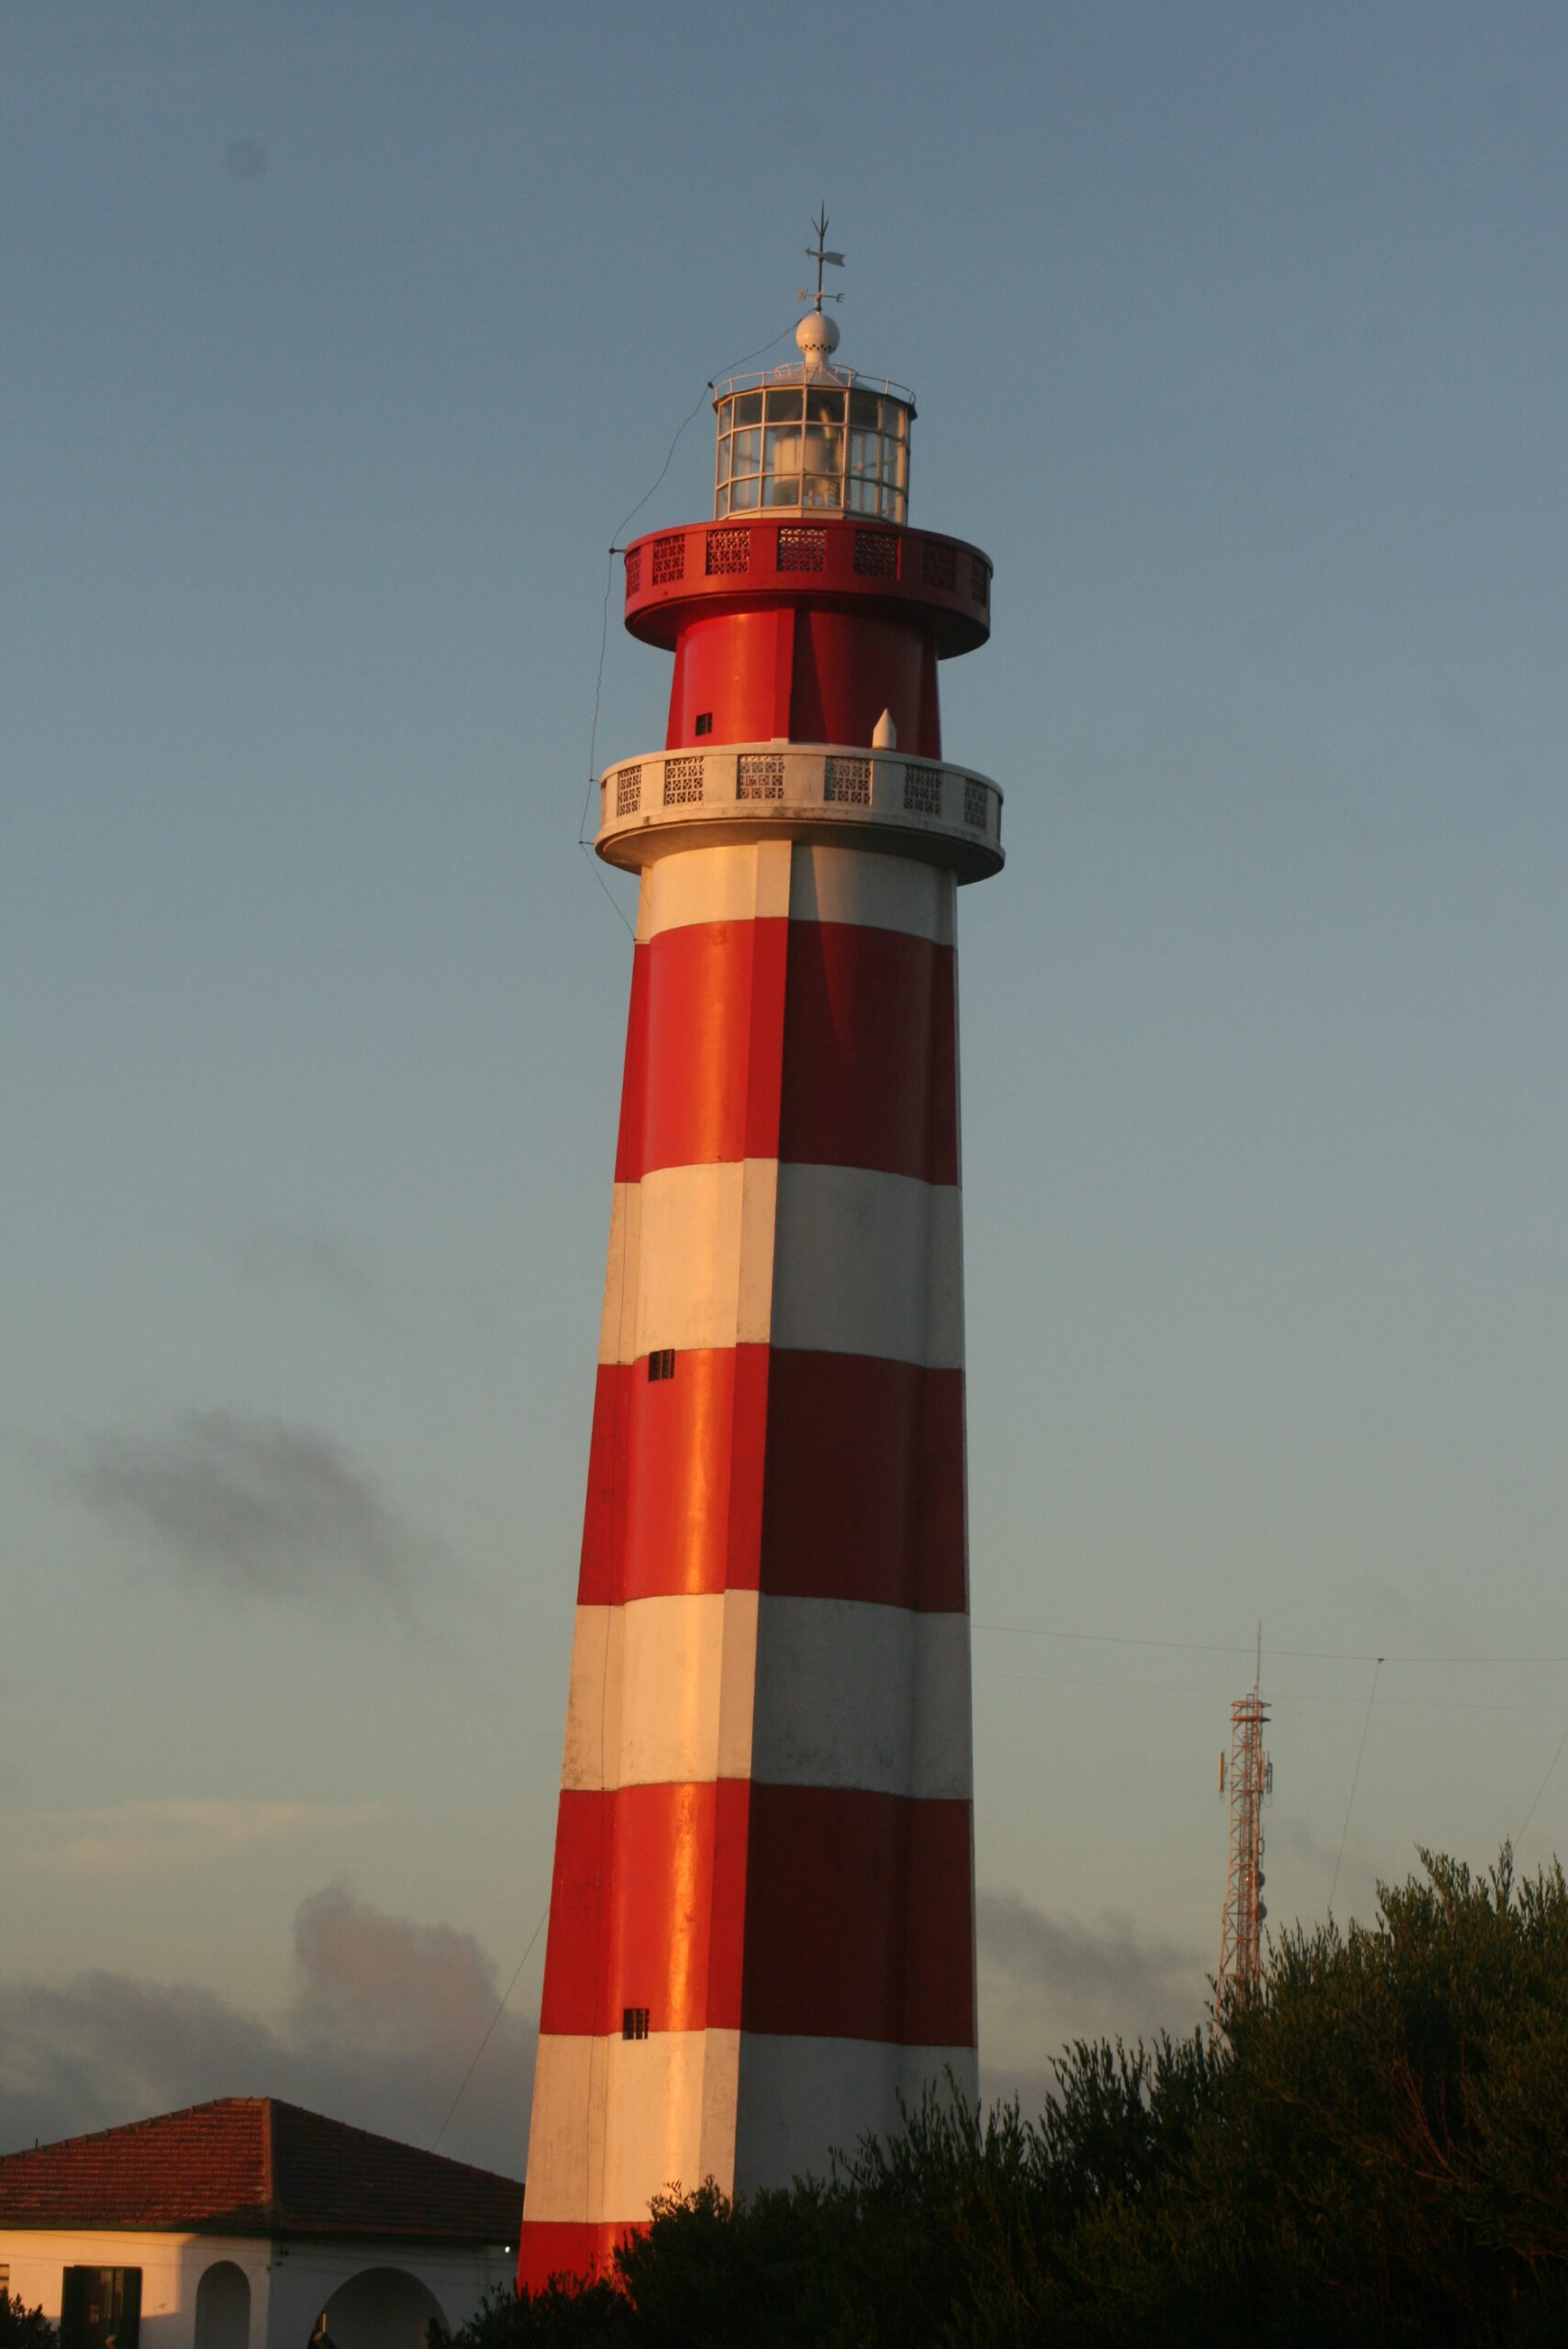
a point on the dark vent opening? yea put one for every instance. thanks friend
(669, 560)
(848, 780)
(941, 566)
(727, 550)
(634, 2022)
(662, 1364)
(802, 549)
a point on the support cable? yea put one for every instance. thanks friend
(1535, 1806)
(615, 548)
(1233, 1647)
(435, 2141)
(1356, 1781)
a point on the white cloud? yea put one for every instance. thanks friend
(162, 1838)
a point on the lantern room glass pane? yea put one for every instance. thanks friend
(864, 408)
(781, 489)
(720, 503)
(823, 450)
(748, 456)
(744, 493)
(821, 489)
(749, 409)
(785, 403)
(824, 408)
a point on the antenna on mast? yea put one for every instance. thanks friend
(1251, 1774)
(825, 259)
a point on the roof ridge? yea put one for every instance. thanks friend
(378, 2137)
(148, 2121)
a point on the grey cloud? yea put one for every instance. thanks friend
(1291, 1833)
(278, 1256)
(105, 2048)
(1055, 1978)
(1111, 1960)
(386, 2017)
(1027, 2085)
(256, 1505)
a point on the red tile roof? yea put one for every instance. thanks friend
(247, 2164)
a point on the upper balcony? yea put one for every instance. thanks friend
(943, 586)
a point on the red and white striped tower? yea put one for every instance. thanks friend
(762, 1918)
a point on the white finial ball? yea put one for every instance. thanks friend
(816, 338)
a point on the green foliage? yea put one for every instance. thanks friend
(554, 2319)
(24, 2328)
(1375, 2155)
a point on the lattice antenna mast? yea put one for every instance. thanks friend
(1249, 1776)
(819, 253)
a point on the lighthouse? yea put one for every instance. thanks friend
(762, 1921)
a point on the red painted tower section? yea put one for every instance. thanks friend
(761, 1917)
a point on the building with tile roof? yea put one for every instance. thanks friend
(242, 2223)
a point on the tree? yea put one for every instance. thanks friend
(1374, 2153)
(25, 2328)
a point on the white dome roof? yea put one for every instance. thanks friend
(817, 338)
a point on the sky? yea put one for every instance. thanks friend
(342, 340)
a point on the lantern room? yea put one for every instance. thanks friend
(812, 438)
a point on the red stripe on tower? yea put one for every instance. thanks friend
(762, 1914)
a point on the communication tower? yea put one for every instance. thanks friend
(1249, 1776)
(762, 1926)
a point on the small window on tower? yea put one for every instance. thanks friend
(704, 722)
(662, 1364)
(634, 2022)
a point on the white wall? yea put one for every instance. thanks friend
(306, 2274)
(171, 2268)
(291, 2281)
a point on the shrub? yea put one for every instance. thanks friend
(1373, 2152)
(25, 2328)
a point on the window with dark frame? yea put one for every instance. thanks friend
(634, 2022)
(100, 2308)
(704, 722)
(661, 1363)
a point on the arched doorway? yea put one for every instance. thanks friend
(223, 2308)
(381, 2308)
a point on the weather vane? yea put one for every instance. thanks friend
(825, 259)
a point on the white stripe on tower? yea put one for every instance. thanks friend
(838, 1260)
(805, 1692)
